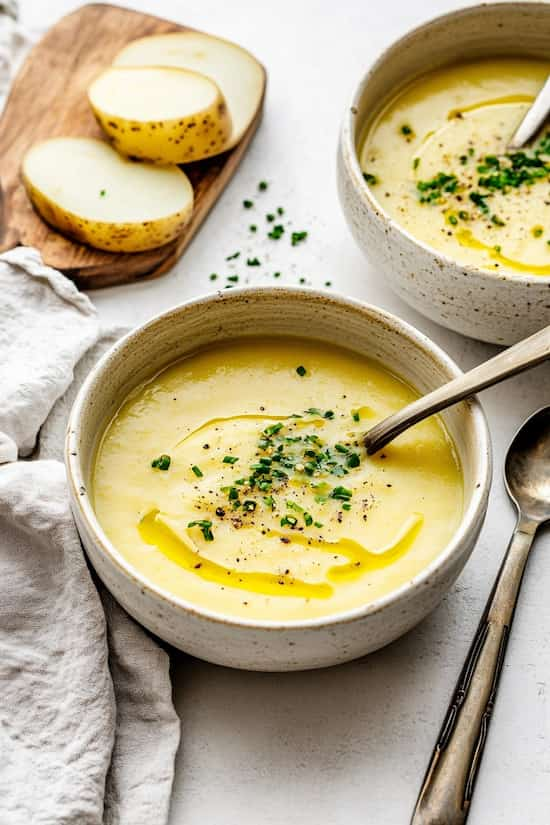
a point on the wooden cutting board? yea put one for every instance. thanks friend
(48, 98)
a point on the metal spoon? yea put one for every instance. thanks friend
(527, 353)
(446, 793)
(533, 120)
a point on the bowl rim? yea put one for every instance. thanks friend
(470, 518)
(351, 159)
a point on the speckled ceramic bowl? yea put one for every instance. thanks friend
(479, 303)
(255, 644)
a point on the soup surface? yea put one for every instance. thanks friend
(436, 159)
(237, 480)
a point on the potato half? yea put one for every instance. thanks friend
(235, 71)
(92, 194)
(161, 114)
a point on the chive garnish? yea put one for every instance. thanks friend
(301, 370)
(253, 262)
(197, 470)
(248, 204)
(230, 459)
(233, 256)
(213, 276)
(291, 521)
(262, 186)
(233, 278)
(371, 179)
(253, 227)
(353, 460)
(205, 526)
(341, 493)
(270, 217)
(162, 462)
(298, 237)
(277, 232)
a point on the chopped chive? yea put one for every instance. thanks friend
(162, 462)
(355, 415)
(253, 227)
(406, 130)
(248, 204)
(416, 163)
(269, 501)
(328, 283)
(280, 211)
(276, 274)
(233, 278)
(371, 179)
(270, 217)
(317, 524)
(205, 526)
(197, 470)
(301, 370)
(249, 505)
(102, 193)
(308, 519)
(353, 460)
(292, 521)
(346, 506)
(341, 493)
(298, 237)
(253, 262)
(262, 186)
(230, 459)
(273, 429)
(277, 232)
(341, 448)
(233, 256)
(213, 276)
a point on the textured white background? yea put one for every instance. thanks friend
(346, 746)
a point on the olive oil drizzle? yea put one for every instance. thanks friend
(466, 238)
(154, 531)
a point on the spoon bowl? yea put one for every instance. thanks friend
(526, 471)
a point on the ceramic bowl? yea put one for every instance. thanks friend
(480, 303)
(255, 644)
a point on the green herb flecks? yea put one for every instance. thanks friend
(197, 470)
(371, 179)
(434, 190)
(205, 527)
(162, 462)
(298, 237)
(301, 370)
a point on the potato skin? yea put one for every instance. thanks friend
(109, 236)
(182, 140)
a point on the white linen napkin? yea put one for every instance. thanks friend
(88, 731)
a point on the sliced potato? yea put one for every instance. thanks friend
(238, 74)
(89, 192)
(161, 114)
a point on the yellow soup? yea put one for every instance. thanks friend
(237, 480)
(436, 159)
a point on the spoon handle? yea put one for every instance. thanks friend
(533, 120)
(447, 789)
(527, 353)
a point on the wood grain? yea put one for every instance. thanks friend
(48, 98)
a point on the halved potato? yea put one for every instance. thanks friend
(161, 114)
(89, 192)
(235, 71)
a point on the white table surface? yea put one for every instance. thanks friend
(348, 745)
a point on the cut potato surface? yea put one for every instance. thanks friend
(161, 114)
(237, 73)
(89, 192)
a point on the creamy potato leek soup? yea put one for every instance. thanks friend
(237, 479)
(436, 159)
